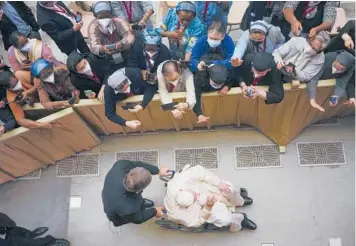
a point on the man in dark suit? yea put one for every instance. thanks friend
(12, 235)
(17, 16)
(122, 199)
(60, 24)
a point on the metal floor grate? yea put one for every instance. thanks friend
(257, 156)
(79, 165)
(148, 156)
(32, 176)
(321, 153)
(206, 157)
(326, 122)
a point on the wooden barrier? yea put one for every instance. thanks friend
(281, 122)
(23, 151)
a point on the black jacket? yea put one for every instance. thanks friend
(82, 82)
(121, 206)
(7, 27)
(60, 29)
(6, 115)
(138, 87)
(137, 58)
(337, 43)
(273, 79)
(350, 89)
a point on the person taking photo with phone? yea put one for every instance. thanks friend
(173, 76)
(110, 37)
(53, 85)
(61, 25)
(15, 97)
(89, 74)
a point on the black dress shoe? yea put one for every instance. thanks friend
(148, 203)
(247, 201)
(247, 223)
(39, 231)
(243, 192)
(61, 242)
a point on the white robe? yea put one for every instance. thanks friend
(201, 181)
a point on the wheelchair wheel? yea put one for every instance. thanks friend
(169, 224)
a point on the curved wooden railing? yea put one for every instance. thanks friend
(25, 150)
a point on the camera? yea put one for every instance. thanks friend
(151, 78)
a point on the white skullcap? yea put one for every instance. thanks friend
(184, 198)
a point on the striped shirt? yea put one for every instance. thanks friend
(131, 11)
(329, 9)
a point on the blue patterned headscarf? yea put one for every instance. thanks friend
(38, 66)
(152, 36)
(186, 6)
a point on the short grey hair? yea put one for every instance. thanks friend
(324, 38)
(137, 179)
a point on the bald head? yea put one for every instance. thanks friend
(171, 70)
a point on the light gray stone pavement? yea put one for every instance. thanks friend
(293, 206)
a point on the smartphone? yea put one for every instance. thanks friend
(111, 46)
(71, 100)
(137, 27)
(78, 17)
(169, 106)
(249, 92)
(88, 92)
(334, 99)
(128, 106)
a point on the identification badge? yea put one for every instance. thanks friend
(117, 57)
(267, 19)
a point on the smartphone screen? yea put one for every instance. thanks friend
(128, 106)
(88, 92)
(169, 106)
(111, 46)
(78, 17)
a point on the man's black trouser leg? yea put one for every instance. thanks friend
(19, 236)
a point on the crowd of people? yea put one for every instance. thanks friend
(124, 55)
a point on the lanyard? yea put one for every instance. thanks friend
(111, 37)
(171, 87)
(264, 46)
(269, 4)
(206, 6)
(148, 62)
(307, 10)
(59, 9)
(128, 10)
(256, 80)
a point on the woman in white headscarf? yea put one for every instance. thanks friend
(110, 37)
(261, 37)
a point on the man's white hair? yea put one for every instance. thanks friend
(324, 39)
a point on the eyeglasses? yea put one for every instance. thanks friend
(122, 85)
